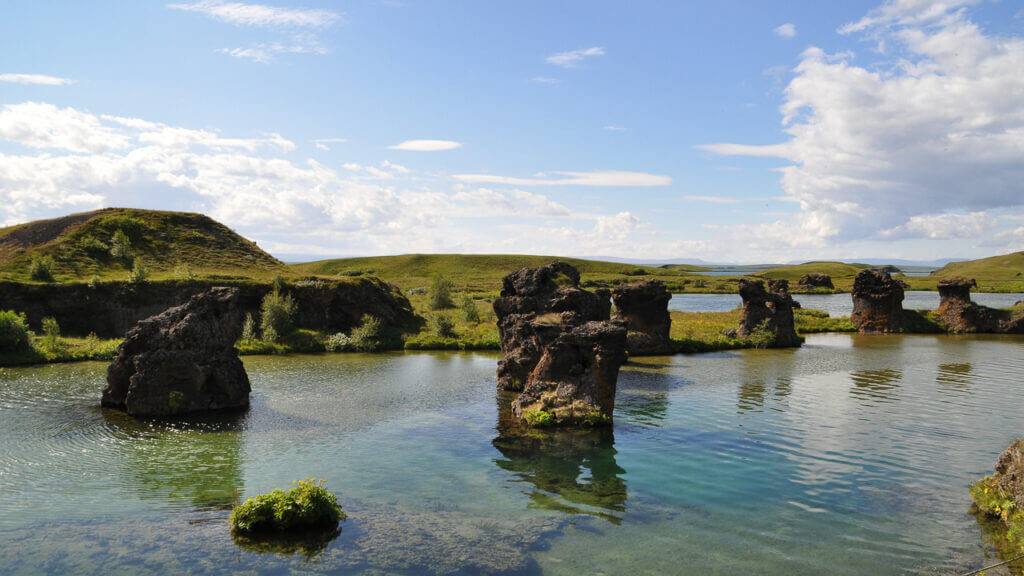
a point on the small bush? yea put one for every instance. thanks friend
(470, 313)
(139, 274)
(339, 343)
(14, 334)
(308, 505)
(440, 296)
(51, 335)
(277, 313)
(418, 290)
(94, 282)
(184, 271)
(121, 246)
(366, 336)
(279, 284)
(93, 246)
(762, 336)
(249, 328)
(41, 269)
(444, 326)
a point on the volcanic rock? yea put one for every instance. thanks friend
(815, 280)
(643, 308)
(877, 302)
(770, 310)
(182, 360)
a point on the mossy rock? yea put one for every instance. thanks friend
(308, 506)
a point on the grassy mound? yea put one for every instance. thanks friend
(842, 274)
(1003, 273)
(307, 506)
(114, 243)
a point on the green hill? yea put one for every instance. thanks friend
(481, 272)
(842, 274)
(998, 273)
(166, 244)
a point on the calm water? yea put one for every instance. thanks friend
(849, 456)
(834, 304)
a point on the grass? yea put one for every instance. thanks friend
(842, 274)
(992, 501)
(66, 349)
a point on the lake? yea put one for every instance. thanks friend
(834, 304)
(851, 455)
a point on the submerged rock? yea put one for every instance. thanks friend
(182, 360)
(815, 280)
(558, 347)
(643, 308)
(545, 296)
(768, 311)
(877, 302)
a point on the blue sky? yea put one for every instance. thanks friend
(725, 131)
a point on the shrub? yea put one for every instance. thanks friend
(277, 313)
(440, 296)
(121, 246)
(249, 328)
(418, 290)
(139, 273)
(339, 343)
(51, 335)
(467, 306)
(41, 269)
(14, 335)
(279, 284)
(444, 326)
(307, 505)
(93, 246)
(94, 282)
(366, 336)
(184, 271)
(762, 336)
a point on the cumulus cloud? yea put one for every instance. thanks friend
(933, 138)
(323, 143)
(712, 199)
(572, 58)
(40, 79)
(76, 160)
(599, 178)
(787, 30)
(426, 145)
(544, 80)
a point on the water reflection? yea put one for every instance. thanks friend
(764, 375)
(994, 534)
(198, 460)
(572, 470)
(875, 385)
(955, 375)
(643, 393)
(309, 544)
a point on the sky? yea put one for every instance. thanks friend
(730, 131)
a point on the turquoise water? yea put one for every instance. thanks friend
(849, 456)
(835, 304)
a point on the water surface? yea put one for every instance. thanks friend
(834, 304)
(849, 456)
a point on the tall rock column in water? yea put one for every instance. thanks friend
(877, 302)
(181, 361)
(960, 314)
(559, 347)
(643, 307)
(768, 311)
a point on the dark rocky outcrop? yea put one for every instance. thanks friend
(814, 281)
(960, 314)
(768, 310)
(110, 309)
(643, 308)
(531, 301)
(574, 380)
(182, 361)
(877, 302)
(558, 346)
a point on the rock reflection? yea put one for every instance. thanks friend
(765, 375)
(198, 460)
(875, 385)
(994, 534)
(571, 470)
(956, 375)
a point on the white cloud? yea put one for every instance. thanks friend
(426, 145)
(322, 143)
(933, 138)
(573, 57)
(787, 30)
(599, 178)
(712, 199)
(40, 79)
(40, 125)
(613, 128)
(241, 14)
(544, 80)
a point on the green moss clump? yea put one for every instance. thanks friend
(539, 418)
(306, 506)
